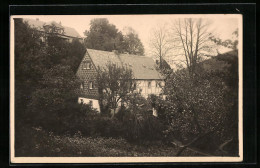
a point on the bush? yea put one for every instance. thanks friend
(201, 104)
(138, 122)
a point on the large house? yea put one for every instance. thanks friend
(148, 80)
(64, 32)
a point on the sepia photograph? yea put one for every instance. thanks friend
(126, 88)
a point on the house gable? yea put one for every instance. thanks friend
(144, 70)
(87, 73)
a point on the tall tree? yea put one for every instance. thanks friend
(202, 109)
(74, 54)
(105, 36)
(33, 59)
(132, 44)
(160, 43)
(45, 85)
(191, 37)
(28, 66)
(55, 96)
(229, 43)
(102, 35)
(114, 83)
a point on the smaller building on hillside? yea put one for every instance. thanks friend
(148, 80)
(64, 32)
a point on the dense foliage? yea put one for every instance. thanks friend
(45, 81)
(114, 83)
(200, 110)
(55, 98)
(103, 35)
(131, 43)
(139, 123)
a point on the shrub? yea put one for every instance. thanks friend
(139, 123)
(199, 105)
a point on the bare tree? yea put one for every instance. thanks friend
(114, 83)
(160, 43)
(191, 38)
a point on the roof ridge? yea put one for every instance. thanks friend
(122, 54)
(143, 68)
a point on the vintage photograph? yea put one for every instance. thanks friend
(126, 88)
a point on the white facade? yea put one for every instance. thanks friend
(94, 102)
(146, 87)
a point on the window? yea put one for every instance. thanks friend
(149, 84)
(86, 65)
(158, 84)
(134, 86)
(90, 85)
(91, 103)
(140, 90)
(81, 101)
(82, 86)
(42, 38)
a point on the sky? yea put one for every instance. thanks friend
(221, 25)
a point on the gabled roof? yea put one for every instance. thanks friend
(142, 67)
(68, 31)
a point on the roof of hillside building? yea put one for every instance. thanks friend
(68, 31)
(55, 24)
(142, 67)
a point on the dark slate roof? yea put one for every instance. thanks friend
(142, 67)
(68, 31)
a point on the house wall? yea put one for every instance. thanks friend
(90, 75)
(142, 87)
(94, 102)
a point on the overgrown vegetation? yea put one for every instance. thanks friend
(196, 113)
(199, 109)
(45, 85)
(42, 143)
(114, 83)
